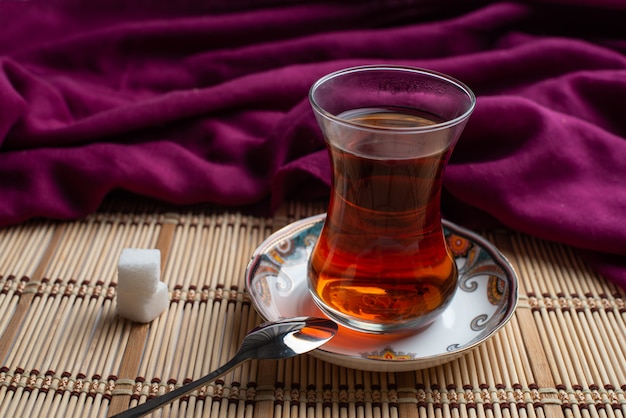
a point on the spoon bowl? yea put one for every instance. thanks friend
(269, 341)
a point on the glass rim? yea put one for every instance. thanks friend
(401, 68)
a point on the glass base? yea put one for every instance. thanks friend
(404, 327)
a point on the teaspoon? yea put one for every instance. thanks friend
(269, 341)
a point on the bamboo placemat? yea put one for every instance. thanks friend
(64, 352)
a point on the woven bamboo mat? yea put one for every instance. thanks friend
(63, 351)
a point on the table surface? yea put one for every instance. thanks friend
(65, 352)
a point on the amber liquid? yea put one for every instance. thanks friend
(381, 258)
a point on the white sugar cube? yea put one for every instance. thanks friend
(139, 271)
(143, 308)
(141, 296)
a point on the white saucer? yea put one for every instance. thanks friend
(276, 280)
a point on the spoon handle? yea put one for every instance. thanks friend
(160, 401)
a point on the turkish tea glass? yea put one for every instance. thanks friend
(381, 263)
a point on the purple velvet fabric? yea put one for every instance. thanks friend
(188, 103)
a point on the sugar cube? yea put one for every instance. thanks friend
(141, 296)
(139, 270)
(145, 308)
